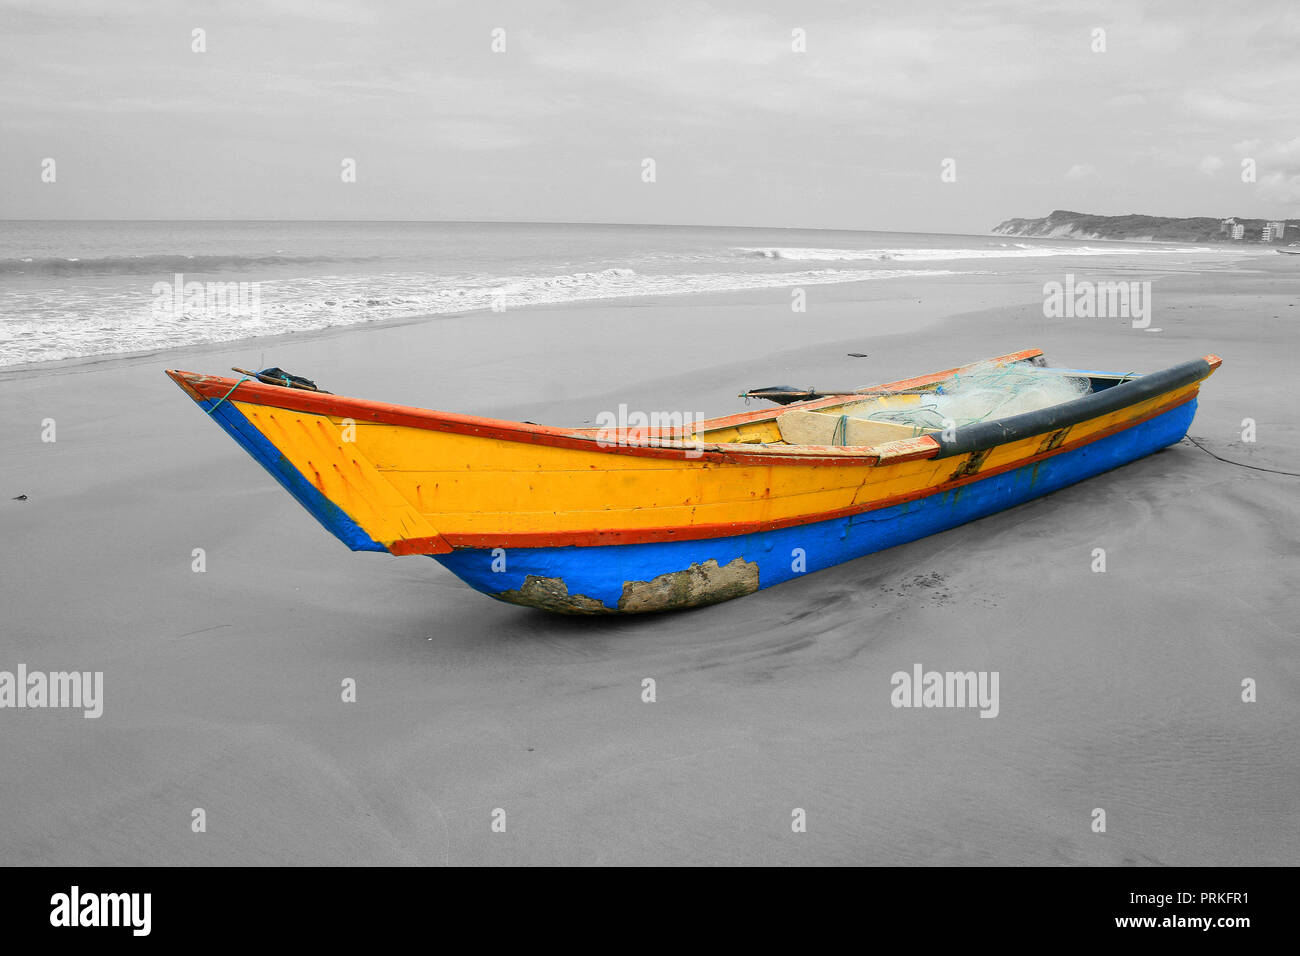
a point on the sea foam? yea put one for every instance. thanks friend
(84, 321)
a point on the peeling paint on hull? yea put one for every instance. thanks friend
(587, 580)
(552, 594)
(696, 586)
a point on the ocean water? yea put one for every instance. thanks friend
(77, 289)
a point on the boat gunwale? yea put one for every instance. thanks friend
(202, 387)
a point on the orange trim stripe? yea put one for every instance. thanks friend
(319, 403)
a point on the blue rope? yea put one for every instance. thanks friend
(840, 435)
(228, 394)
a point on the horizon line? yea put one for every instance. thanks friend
(477, 222)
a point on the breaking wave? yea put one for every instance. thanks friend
(99, 321)
(153, 264)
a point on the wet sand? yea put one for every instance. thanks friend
(1119, 690)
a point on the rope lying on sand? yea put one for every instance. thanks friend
(1240, 464)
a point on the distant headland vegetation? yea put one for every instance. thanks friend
(1063, 224)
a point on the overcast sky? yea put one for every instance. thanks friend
(744, 130)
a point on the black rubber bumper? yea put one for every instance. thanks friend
(981, 435)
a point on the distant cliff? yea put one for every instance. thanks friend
(1063, 224)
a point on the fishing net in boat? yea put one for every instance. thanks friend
(985, 392)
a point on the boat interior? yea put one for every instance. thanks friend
(859, 419)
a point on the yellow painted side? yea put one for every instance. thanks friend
(340, 471)
(399, 482)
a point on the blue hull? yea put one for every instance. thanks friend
(678, 574)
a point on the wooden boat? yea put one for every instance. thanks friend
(589, 521)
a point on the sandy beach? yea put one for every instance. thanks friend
(1119, 690)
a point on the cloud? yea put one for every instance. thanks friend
(1286, 155)
(1125, 100)
(1278, 164)
(750, 129)
(1279, 188)
(478, 135)
(883, 70)
(1217, 107)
